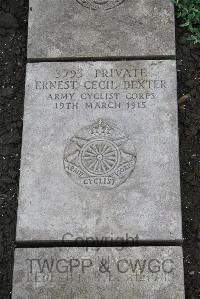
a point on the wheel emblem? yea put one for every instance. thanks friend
(99, 156)
(100, 4)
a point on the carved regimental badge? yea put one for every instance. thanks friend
(100, 4)
(99, 156)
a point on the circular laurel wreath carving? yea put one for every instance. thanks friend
(99, 156)
(100, 4)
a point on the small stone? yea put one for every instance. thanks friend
(183, 99)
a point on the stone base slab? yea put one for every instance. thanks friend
(88, 273)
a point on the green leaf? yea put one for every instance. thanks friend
(189, 12)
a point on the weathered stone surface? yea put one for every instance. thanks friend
(100, 152)
(62, 273)
(77, 28)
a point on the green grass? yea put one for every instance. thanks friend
(189, 13)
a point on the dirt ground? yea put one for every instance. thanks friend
(13, 38)
(188, 67)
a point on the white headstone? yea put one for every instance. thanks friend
(90, 28)
(100, 152)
